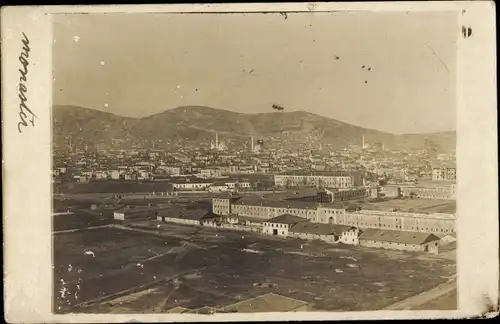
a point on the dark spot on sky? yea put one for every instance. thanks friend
(336, 57)
(363, 67)
(195, 89)
(369, 69)
(467, 32)
(366, 81)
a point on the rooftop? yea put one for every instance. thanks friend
(183, 213)
(433, 183)
(204, 310)
(318, 173)
(294, 194)
(428, 206)
(448, 165)
(266, 303)
(228, 195)
(246, 218)
(320, 229)
(191, 180)
(287, 219)
(178, 310)
(402, 237)
(253, 201)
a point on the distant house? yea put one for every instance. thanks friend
(140, 212)
(350, 194)
(114, 174)
(243, 220)
(390, 191)
(268, 303)
(280, 225)
(218, 188)
(448, 238)
(400, 240)
(211, 220)
(191, 184)
(325, 232)
(211, 172)
(170, 170)
(183, 216)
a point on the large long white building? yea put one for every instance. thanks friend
(324, 181)
(335, 213)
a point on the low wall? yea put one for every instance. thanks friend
(305, 236)
(254, 229)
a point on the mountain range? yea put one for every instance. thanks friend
(198, 123)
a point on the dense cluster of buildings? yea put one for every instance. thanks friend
(446, 172)
(354, 195)
(313, 214)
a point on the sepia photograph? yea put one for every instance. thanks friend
(199, 167)
(185, 161)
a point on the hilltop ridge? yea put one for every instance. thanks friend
(196, 123)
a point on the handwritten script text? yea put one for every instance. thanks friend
(24, 111)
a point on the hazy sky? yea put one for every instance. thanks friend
(140, 64)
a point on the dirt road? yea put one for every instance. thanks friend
(426, 296)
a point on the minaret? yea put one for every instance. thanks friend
(216, 141)
(70, 148)
(252, 145)
(363, 142)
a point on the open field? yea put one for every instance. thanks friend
(172, 265)
(112, 186)
(81, 219)
(448, 301)
(418, 205)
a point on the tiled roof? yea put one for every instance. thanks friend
(266, 303)
(252, 201)
(178, 310)
(287, 219)
(402, 237)
(183, 213)
(294, 194)
(319, 229)
(204, 310)
(228, 195)
(246, 218)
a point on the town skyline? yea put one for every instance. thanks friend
(221, 61)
